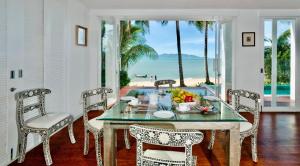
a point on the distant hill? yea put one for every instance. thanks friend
(184, 56)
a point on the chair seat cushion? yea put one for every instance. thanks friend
(165, 155)
(46, 121)
(97, 124)
(111, 102)
(171, 156)
(244, 126)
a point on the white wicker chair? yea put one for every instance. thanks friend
(165, 137)
(246, 128)
(45, 124)
(96, 126)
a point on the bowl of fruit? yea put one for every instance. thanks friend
(184, 97)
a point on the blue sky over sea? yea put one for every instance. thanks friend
(163, 39)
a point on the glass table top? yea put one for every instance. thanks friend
(122, 112)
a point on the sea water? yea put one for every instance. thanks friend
(166, 67)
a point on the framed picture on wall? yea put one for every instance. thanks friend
(81, 35)
(248, 39)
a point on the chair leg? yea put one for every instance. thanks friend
(46, 149)
(212, 140)
(126, 139)
(71, 133)
(98, 149)
(254, 147)
(241, 143)
(22, 147)
(86, 141)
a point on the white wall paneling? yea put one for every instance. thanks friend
(77, 57)
(24, 52)
(4, 154)
(66, 65)
(15, 55)
(33, 64)
(54, 54)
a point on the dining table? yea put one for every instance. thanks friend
(122, 115)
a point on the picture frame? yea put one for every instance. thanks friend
(248, 39)
(81, 35)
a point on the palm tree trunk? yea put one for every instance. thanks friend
(205, 53)
(179, 55)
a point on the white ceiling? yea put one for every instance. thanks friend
(192, 4)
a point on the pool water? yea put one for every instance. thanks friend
(281, 89)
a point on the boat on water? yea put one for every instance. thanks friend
(141, 76)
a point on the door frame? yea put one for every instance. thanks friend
(296, 23)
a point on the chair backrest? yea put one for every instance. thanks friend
(164, 82)
(164, 137)
(39, 105)
(101, 94)
(252, 98)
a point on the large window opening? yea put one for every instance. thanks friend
(136, 53)
(184, 51)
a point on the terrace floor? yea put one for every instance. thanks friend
(282, 101)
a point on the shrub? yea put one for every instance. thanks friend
(124, 79)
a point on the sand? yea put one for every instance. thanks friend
(187, 81)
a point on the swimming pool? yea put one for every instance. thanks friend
(281, 89)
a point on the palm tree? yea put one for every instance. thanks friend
(203, 26)
(144, 25)
(132, 45)
(181, 79)
(283, 58)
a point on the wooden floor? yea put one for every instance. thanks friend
(278, 144)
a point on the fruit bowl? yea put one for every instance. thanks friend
(183, 96)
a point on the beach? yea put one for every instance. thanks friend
(188, 82)
(144, 71)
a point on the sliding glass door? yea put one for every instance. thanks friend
(278, 62)
(223, 67)
(109, 60)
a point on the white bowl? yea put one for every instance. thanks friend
(163, 114)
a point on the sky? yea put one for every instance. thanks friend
(163, 39)
(282, 26)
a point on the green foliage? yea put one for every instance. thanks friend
(124, 79)
(283, 59)
(132, 43)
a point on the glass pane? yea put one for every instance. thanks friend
(118, 112)
(267, 62)
(283, 62)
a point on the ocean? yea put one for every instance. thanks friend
(166, 67)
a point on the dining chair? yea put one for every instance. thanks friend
(33, 118)
(246, 128)
(164, 82)
(165, 137)
(93, 125)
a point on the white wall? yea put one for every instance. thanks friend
(77, 58)
(3, 85)
(66, 64)
(25, 52)
(248, 60)
(38, 36)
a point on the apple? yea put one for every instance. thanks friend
(204, 109)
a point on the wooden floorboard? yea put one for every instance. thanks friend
(278, 144)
